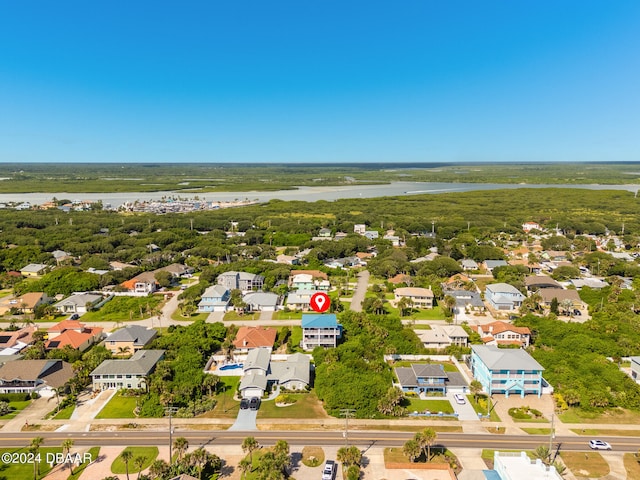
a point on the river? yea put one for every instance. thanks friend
(308, 194)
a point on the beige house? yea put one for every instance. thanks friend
(28, 302)
(420, 297)
(129, 339)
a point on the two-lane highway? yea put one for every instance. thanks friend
(301, 438)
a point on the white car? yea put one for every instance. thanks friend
(459, 399)
(599, 445)
(329, 471)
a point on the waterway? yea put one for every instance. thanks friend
(308, 194)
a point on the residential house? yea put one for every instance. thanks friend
(503, 333)
(371, 234)
(468, 264)
(324, 233)
(78, 303)
(635, 368)
(40, 376)
(13, 342)
(60, 256)
(28, 302)
(300, 299)
(320, 330)
(538, 282)
(177, 270)
(241, 281)
(305, 281)
(126, 374)
(400, 278)
(339, 236)
(261, 301)
(591, 282)
(214, 299)
(394, 239)
(74, 334)
(129, 339)
(426, 378)
(506, 370)
(518, 466)
(491, 264)
(34, 270)
(120, 265)
(145, 283)
(502, 296)
(359, 228)
(249, 338)
(528, 226)
(468, 300)
(288, 259)
(419, 297)
(569, 297)
(259, 372)
(440, 337)
(459, 281)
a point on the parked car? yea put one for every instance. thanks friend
(599, 445)
(244, 404)
(254, 403)
(577, 312)
(329, 471)
(75, 316)
(460, 400)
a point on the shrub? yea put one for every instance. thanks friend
(286, 399)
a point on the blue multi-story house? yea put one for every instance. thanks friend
(422, 378)
(506, 370)
(320, 330)
(503, 296)
(214, 299)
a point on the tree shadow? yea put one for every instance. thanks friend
(226, 470)
(296, 460)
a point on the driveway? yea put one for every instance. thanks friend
(246, 420)
(360, 291)
(464, 411)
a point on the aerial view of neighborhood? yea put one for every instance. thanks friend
(298, 240)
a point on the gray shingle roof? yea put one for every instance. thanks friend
(506, 358)
(141, 363)
(258, 358)
(295, 368)
(133, 333)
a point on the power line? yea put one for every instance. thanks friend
(346, 413)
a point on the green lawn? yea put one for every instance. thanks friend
(65, 413)
(306, 406)
(17, 407)
(537, 431)
(24, 471)
(434, 406)
(282, 315)
(612, 416)
(94, 452)
(233, 315)
(481, 407)
(434, 313)
(448, 367)
(124, 308)
(420, 326)
(296, 336)
(119, 407)
(150, 454)
(226, 407)
(197, 316)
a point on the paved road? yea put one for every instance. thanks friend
(360, 291)
(320, 438)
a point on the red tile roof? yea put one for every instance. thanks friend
(254, 337)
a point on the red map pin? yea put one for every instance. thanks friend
(320, 302)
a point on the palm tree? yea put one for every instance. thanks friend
(211, 383)
(139, 462)
(244, 466)
(476, 387)
(426, 438)
(180, 445)
(403, 305)
(542, 452)
(35, 449)
(249, 444)
(411, 449)
(281, 452)
(159, 469)
(66, 447)
(126, 456)
(199, 458)
(349, 455)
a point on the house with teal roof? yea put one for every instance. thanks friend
(320, 330)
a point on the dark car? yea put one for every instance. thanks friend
(577, 312)
(254, 403)
(244, 403)
(75, 316)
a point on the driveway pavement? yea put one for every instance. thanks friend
(246, 420)
(360, 291)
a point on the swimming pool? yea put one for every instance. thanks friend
(231, 366)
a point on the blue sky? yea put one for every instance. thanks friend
(319, 81)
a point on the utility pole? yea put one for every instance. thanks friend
(346, 413)
(551, 434)
(170, 410)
